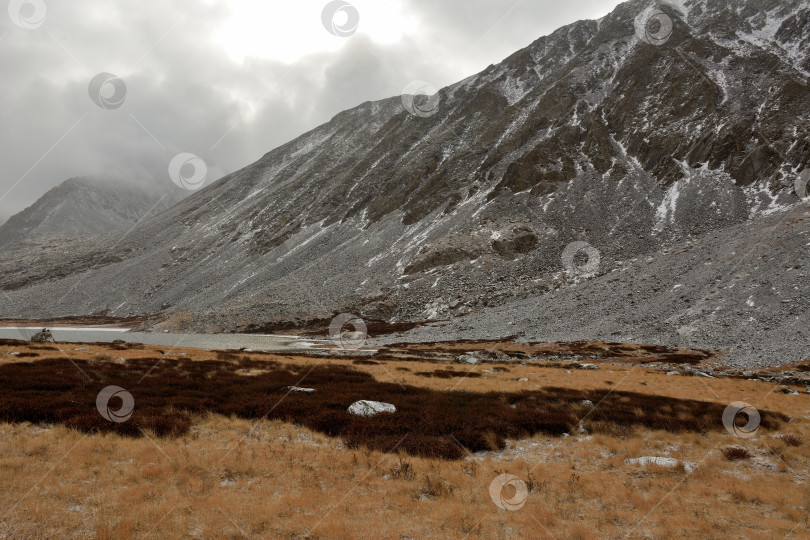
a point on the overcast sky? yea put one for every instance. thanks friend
(226, 80)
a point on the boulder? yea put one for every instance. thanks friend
(466, 359)
(43, 337)
(370, 408)
(587, 366)
(789, 391)
(587, 403)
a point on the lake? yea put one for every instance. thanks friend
(266, 342)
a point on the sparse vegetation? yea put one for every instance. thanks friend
(791, 440)
(227, 473)
(428, 423)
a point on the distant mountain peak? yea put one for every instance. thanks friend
(80, 207)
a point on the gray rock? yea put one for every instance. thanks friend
(672, 373)
(466, 359)
(44, 336)
(370, 408)
(587, 366)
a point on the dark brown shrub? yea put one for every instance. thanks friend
(791, 440)
(434, 487)
(403, 470)
(448, 374)
(735, 453)
(168, 392)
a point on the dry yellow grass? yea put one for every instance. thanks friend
(233, 478)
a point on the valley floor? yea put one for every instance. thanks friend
(218, 447)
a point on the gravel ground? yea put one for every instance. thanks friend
(744, 288)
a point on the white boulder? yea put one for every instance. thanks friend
(370, 408)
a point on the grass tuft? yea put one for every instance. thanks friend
(735, 453)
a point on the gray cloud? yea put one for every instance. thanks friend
(184, 94)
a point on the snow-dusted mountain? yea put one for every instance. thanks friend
(82, 207)
(656, 126)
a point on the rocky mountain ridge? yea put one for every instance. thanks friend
(592, 134)
(82, 207)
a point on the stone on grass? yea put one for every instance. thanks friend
(587, 366)
(43, 337)
(299, 389)
(661, 462)
(466, 359)
(370, 408)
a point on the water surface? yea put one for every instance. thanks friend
(264, 342)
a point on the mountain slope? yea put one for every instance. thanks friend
(590, 134)
(81, 207)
